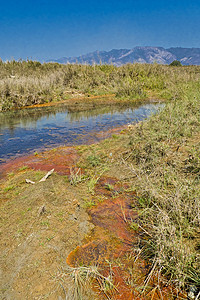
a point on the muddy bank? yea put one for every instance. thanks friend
(62, 159)
(40, 225)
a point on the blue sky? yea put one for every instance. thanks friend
(42, 29)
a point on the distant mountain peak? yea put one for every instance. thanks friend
(138, 54)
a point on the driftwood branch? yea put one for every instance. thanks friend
(43, 178)
(30, 181)
(47, 175)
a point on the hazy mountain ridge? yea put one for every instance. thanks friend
(118, 57)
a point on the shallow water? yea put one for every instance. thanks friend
(33, 129)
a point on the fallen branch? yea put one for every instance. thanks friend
(43, 178)
(47, 175)
(30, 181)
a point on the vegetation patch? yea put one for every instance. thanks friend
(27, 83)
(158, 159)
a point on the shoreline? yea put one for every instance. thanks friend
(90, 102)
(18, 161)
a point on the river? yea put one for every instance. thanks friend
(29, 130)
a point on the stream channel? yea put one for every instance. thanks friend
(29, 130)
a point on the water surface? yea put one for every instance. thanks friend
(33, 129)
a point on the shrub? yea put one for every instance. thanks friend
(176, 63)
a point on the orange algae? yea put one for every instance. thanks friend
(61, 159)
(112, 244)
(67, 101)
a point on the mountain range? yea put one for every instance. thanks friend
(118, 57)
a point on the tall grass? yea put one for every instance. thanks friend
(27, 82)
(164, 155)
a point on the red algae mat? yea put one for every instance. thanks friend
(112, 247)
(61, 159)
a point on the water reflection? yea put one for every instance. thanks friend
(30, 116)
(28, 130)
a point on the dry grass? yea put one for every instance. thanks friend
(164, 157)
(27, 83)
(80, 280)
(160, 159)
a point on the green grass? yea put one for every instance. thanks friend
(9, 188)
